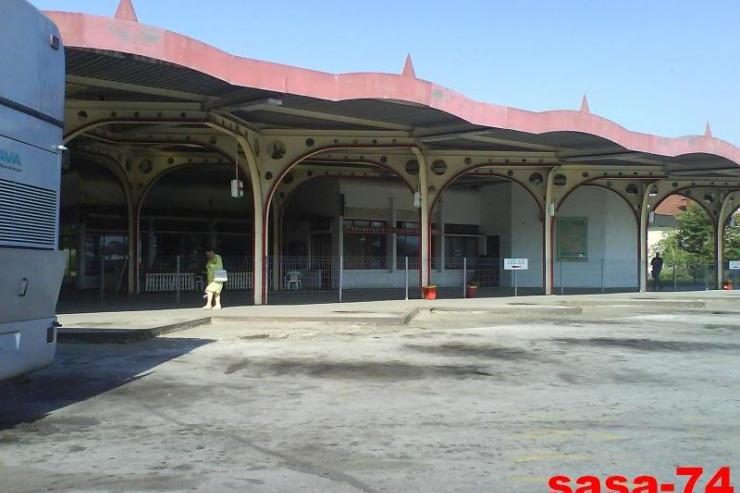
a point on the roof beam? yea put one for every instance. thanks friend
(481, 137)
(274, 105)
(123, 86)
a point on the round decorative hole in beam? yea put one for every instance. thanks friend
(439, 167)
(536, 179)
(560, 180)
(277, 150)
(412, 167)
(146, 166)
(631, 189)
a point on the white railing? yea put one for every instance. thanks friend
(167, 281)
(240, 280)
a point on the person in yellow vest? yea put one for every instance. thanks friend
(213, 289)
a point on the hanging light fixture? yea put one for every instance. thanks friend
(237, 186)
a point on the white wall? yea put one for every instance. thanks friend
(527, 236)
(495, 214)
(462, 207)
(612, 239)
(368, 199)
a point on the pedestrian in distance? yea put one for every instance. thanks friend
(656, 266)
(216, 277)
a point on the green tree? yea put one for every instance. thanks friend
(732, 240)
(692, 242)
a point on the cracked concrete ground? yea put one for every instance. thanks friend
(450, 403)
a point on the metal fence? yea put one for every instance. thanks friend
(337, 279)
(595, 275)
(684, 277)
(186, 273)
(466, 277)
(341, 279)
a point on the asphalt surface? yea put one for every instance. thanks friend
(453, 402)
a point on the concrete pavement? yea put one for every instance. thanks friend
(450, 402)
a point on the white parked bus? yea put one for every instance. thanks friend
(31, 130)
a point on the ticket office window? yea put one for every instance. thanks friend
(365, 244)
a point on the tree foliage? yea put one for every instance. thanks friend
(692, 242)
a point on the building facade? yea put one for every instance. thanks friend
(359, 182)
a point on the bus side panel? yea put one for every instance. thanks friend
(25, 128)
(33, 70)
(26, 346)
(30, 283)
(22, 163)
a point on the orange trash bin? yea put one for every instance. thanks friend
(429, 292)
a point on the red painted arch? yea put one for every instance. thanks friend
(516, 181)
(590, 183)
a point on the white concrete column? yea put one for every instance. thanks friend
(261, 222)
(277, 229)
(719, 252)
(424, 223)
(441, 253)
(133, 248)
(392, 237)
(550, 208)
(644, 224)
(728, 207)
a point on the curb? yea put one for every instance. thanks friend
(651, 303)
(534, 310)
(120, 336)
(401, 319)
(125, 336)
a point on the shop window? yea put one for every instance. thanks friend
(459, 247)
(408, 244)
(365, 244)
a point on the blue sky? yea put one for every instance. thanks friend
(661, 66)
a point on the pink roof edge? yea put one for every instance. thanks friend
(129, 36)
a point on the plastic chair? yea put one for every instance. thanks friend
(293, 280)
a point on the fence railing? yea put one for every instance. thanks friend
(596, 275)
(331, 279)
(162, 273)
(684, 277)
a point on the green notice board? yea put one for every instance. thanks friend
(573, 238)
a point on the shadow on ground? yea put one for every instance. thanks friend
(83, 371)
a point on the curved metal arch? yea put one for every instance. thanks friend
(708, 212)
(126, 121)
(636, 215)
(468, 170)
(155, 179)
(267, 204)
(115, 169)
(735, 209)
(592, 183)
(288, 198)
(303, 157)
(291, 195)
